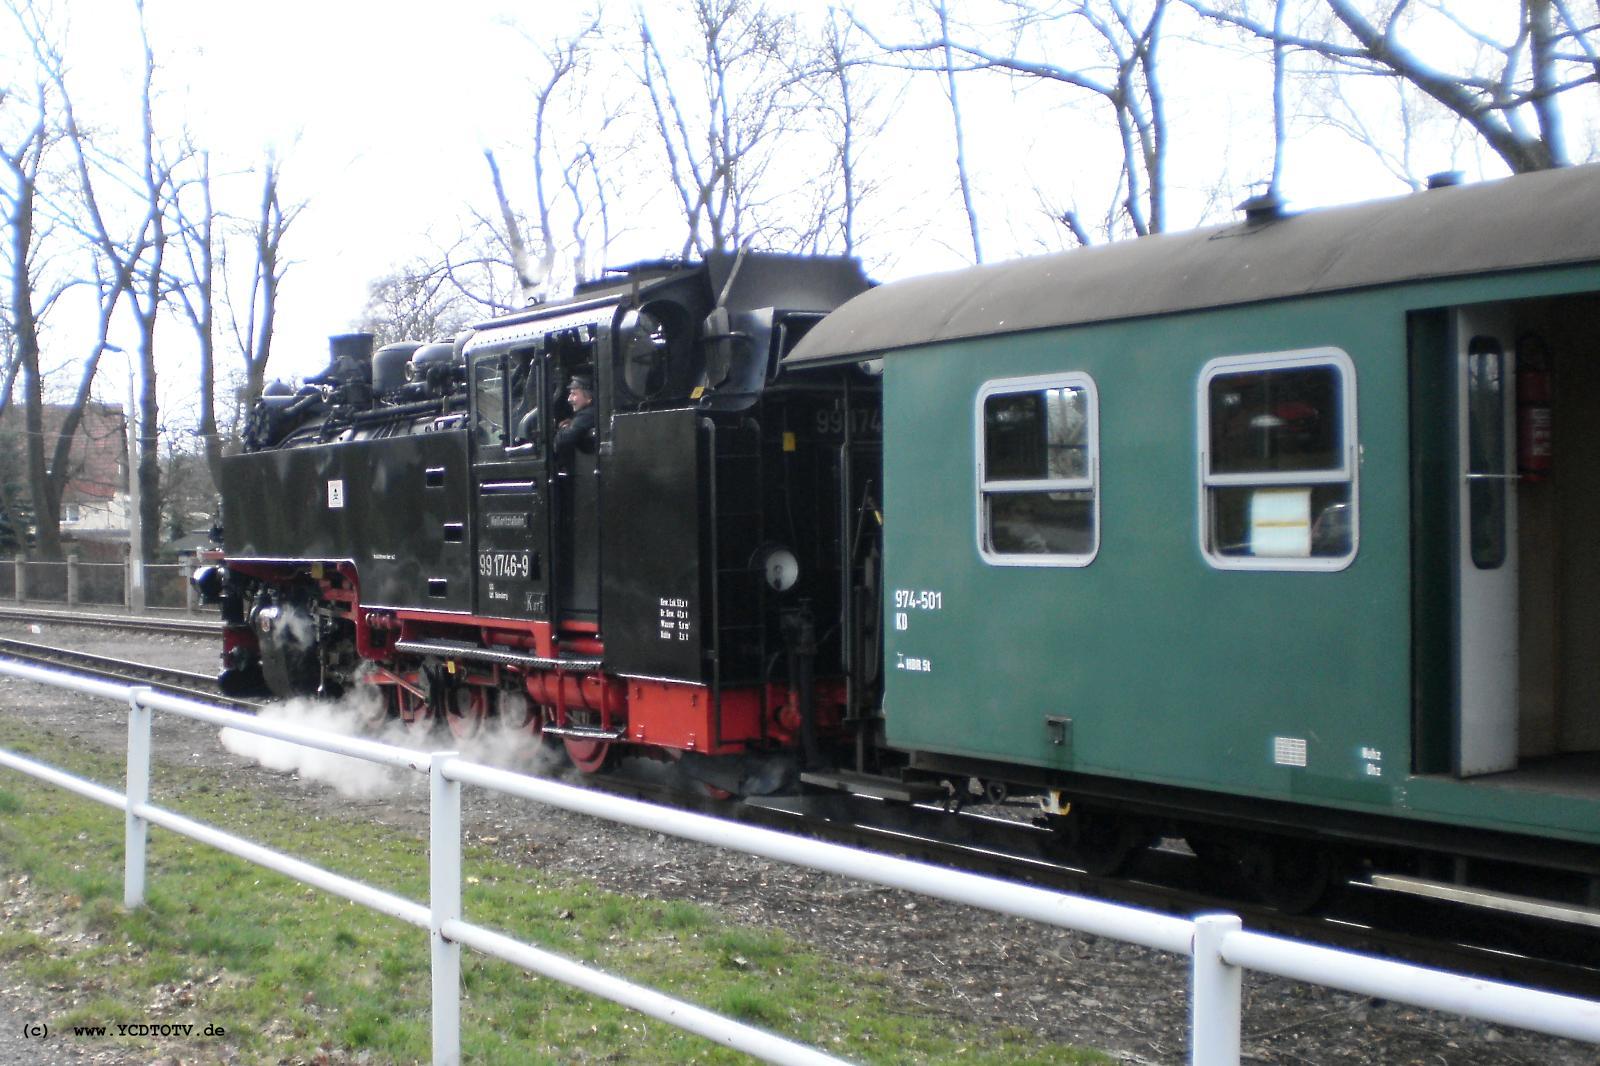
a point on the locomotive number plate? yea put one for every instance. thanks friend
(505, 564)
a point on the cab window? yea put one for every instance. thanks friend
(1038, 468)
(1277, 461)
(489, 402)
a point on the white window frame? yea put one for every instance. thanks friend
(1345, 472)
(1089, 483)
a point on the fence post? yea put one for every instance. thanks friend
(20, 591)
(1215, 989)
(191, 595)
(136, 830)
(444, 897)
(72, 579)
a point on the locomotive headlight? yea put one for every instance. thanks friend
(778, 567)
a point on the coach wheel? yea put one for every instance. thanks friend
(587, 755)
(1104, 844)
(467, 709)
(1293, 876)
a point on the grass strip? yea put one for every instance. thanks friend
(291, 974)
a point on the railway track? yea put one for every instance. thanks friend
(1450, 935)
(182, 624)
(1475, 938)
(1478, 938)
(184, 683)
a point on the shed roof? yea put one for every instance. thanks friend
(1546, 218)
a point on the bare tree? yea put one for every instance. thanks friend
(564, 62)
(837, 62)
(111, 276)
(848, 116)
(138, 263)
(718, 144)
(480, 270)
(188, 489)
(1509, 94)
(530, 279)
(588, 190)
(527, 242)
(418, 301)
(253, 313)
(24, 155)
(1122, 74)
(1280, 107)
(196, 294)
(948, 72)
(147, 295)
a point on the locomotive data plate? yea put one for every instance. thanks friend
(518, 565)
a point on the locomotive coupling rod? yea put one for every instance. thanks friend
(581, 733)
(451, 650)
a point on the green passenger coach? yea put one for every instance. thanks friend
(1283, 536)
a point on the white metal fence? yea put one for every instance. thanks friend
(1219, 948)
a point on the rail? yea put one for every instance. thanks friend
(1219, 948)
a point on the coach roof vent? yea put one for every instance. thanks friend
(1263, 207)
(1445, 179)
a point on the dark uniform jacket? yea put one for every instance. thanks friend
(576, 432)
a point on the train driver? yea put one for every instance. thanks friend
(578, 430)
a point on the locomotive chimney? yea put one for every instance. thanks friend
(351, 352)
(349, 361)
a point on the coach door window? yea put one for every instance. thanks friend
(1487, 473)
(1038, 464)
(1277, 461)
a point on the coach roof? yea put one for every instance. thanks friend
(1546, 218)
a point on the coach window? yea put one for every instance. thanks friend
(1277, 461)
(1038, 468)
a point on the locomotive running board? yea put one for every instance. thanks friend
(1498, 901)
(448, 649)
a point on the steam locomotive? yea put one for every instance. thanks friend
(697, 577)
(1273, 536)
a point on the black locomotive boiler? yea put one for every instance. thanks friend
(687, 567)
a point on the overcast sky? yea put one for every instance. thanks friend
(380, 110)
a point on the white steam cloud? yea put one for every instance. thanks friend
(360, 714)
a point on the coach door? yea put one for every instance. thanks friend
(1487, 557)
(509, 486)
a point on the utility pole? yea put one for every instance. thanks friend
(136, 592)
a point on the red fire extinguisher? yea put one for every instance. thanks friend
(1535, 455)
